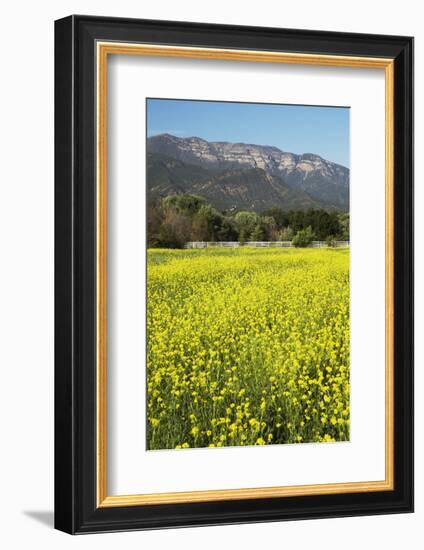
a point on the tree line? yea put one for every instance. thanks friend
(177, 219)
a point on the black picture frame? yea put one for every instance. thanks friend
(76, 508)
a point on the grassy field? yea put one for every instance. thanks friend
(247, 347)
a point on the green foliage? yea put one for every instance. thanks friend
(246, 222)
(286, 234)
(257, 233)
(185, 204)
(344, 222)
(177, 219)
(227, 230)
(331, 241)
(242, 237)
(280, 217)
(303, 238)
(208, 222)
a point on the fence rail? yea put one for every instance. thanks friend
(260, 244)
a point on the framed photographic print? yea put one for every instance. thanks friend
(234, 269)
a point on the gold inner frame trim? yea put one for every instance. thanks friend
(104, 49)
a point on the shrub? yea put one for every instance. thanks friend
(331, 241)
(303, 238)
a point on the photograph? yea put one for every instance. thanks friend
(234, 271)
(248, 292)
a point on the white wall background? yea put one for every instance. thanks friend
(26, 273)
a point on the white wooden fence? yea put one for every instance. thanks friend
(260, 244)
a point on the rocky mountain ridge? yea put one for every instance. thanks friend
(320, 183)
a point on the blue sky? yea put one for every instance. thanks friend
(294, 128)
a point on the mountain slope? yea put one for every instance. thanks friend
(322, 181)
(167, 176)
(242, 189)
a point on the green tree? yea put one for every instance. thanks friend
(269, 228)
(242, 237)
(286, 234)
(257, 233)
(246, 222)
(208, 222)
(227, 231)
(281, 218)
(344, 222)
(303, 238)
(184, 204)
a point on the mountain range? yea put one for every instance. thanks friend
(240, 176)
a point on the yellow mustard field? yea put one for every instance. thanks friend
(247, 346)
